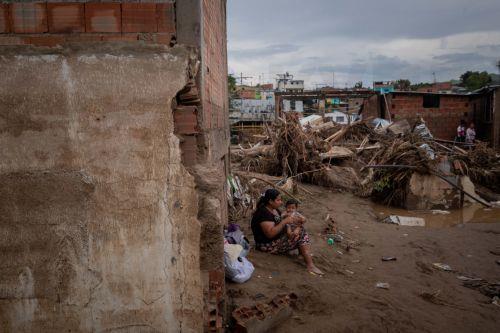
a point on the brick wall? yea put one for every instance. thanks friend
(371, 107)
(442, 121)
(496, 119)
(215, 100)
(215, 124)
(51, 23)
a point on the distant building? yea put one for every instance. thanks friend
(286, 83)
(438, 87)
(442, 112)
(246, 92)
(383, 87)
(341, 117)
(293, 105)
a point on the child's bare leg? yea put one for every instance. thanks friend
(305, 250)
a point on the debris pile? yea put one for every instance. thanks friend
(365, 157)
(262, 317)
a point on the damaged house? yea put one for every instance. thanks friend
(443, 112)
(113, 153)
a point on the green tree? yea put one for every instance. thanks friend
(402, 84)
(231, 84)
(475, 80)
(358, 85)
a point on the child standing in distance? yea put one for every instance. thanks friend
(471, 134)
(461, 131)
(294, 229)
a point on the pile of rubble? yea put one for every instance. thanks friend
(370, 158)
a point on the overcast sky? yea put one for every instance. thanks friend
(362, 39)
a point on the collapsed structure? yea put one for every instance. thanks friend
(400, 164)
(113, 154)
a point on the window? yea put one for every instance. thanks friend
(292, 105)
(339, 119)
(431, 101)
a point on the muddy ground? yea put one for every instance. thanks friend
(346, 299)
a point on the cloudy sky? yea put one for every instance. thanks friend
(362, 39)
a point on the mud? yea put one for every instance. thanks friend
(472, 213)
(346, 299)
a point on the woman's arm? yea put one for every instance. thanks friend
(272, 230)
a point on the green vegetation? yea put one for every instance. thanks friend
(402, 84)
(231, 84)
(475, 80)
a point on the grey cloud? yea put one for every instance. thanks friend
(379, 66)
(382, 19)
(461, 58)
(337, 24)
(264, 51)
(489, 47)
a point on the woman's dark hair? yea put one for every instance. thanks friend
(270, 194)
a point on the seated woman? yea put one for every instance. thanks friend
(270, 231)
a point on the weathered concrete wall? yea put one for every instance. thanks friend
(98, 217)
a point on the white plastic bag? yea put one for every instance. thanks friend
(239, 270)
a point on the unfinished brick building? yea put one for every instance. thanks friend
(443, 112)
(113, 154)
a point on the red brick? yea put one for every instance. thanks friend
(103, 17)
(164, 38)
(189, 149)
(4, 18)
(166, 17)
(121, 37)
(139, 17)
(10, 40)
(44, 40)
(185, 120)
(66, 17)
(29, 17)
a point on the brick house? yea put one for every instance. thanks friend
(114, 140)
(443, 112)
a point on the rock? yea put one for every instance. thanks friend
(399, 127)
(341, 178)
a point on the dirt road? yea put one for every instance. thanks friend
(346, 299)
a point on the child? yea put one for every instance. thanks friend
(471, 134)
(461, 131)
(293, 230)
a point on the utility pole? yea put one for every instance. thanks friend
(244, 77)
(333, 80)
(434, 75)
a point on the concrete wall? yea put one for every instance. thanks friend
(442, 121)
(98, 227)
